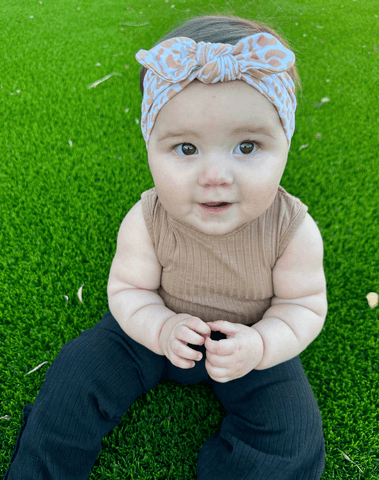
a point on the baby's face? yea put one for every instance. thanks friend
(213, 163)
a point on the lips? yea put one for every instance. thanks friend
(217, 208)
(215, 204)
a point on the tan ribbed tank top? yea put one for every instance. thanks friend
(221, 277)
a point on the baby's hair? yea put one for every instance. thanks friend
(222, 29)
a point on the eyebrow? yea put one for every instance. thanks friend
(170, 134)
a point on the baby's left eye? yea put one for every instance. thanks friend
(247, 143)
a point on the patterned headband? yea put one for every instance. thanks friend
(261, 60)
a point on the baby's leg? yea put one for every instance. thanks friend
(89, 386)
(272, 429)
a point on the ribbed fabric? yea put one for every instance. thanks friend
(226, 277)
(272, 429)
(89, 386)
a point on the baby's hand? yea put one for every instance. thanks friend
(235, 356)
(176, 333)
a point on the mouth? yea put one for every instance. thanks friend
(216, 204)
(214, 208)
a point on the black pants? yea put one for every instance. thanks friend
(272, 429)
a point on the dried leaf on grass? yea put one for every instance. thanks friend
(80, 292)
(323, 100)
(349, 459)
(134, 24)
(95, 84)
(34, 369)
(372, 299)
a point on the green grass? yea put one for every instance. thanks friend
(73, 162)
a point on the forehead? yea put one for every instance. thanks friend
(219, 105)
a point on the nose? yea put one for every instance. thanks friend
(215, 173)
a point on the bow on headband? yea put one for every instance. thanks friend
(261, 60)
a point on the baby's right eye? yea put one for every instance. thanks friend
(179, 144)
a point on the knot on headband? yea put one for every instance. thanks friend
(260, 60)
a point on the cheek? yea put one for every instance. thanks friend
(267, 193)
(170, 188)
(260, 197)
(169, 179)
(171, 191)
(170, 184)
(271, 191)
(260, 189)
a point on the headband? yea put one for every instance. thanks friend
(261, 60)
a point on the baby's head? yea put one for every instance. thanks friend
(218, 138)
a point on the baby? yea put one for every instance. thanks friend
(218, 274)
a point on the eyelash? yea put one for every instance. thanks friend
(259, 145)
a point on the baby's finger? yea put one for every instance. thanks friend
(192, 354)
(221, 347)
(199, 326)
(190, 336)
(182, 350)
(182, 362)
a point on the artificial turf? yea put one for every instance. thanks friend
(73, 162)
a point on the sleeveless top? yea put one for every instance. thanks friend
(221, 277)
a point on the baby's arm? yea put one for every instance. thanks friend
(134, 279)
(134, 302)
(299, 307)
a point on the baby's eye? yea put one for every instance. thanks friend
(244, 148)
(185, 150)
(192, 147)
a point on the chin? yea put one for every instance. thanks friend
(215, 229)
